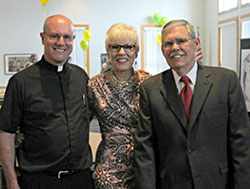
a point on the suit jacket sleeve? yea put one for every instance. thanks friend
(239, 135)
(144, 151)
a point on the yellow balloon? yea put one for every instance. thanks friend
(86, 35)
(158, 39)
(44, 2)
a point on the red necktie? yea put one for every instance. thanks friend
(186, 95)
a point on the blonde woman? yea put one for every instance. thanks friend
(114, 100)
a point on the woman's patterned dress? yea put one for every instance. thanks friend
(116, 109)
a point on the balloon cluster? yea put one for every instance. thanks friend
(160, 20)
(84, 43)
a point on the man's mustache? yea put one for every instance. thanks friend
(176, 53)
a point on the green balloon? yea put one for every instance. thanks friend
(163, 20)
(157, 18)
(84, 45)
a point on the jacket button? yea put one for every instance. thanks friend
(190, 150)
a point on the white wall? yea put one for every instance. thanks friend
(211, 28)
(22, 21)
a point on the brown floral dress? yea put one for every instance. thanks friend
(116, 108)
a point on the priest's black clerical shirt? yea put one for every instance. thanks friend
(49, 104)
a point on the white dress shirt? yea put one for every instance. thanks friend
(192, 74)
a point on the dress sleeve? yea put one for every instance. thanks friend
(91, 101)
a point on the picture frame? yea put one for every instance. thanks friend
(245, 70)
(14, 63)
(105, 64)
(2, 92)
(151, 50)
(104, 58)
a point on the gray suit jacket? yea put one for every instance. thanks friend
(211, 151)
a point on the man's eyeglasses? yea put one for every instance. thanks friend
(179, 41)
(126, 48)
(56, 37)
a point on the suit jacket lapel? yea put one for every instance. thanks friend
(201, 91)
(170, 93)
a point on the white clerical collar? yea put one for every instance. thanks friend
(59, 68)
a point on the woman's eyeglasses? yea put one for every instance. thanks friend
(126, 48)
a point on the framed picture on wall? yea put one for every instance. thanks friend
(245, 70)
(14, 63)
(105, 64)
(2, 91)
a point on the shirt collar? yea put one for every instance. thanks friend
(191, 74)
(45, 64)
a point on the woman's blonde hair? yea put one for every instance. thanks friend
(120, 32)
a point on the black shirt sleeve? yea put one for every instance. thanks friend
(11, 111)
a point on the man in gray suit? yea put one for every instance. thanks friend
(192, 135)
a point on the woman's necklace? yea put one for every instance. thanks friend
(120, 83)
